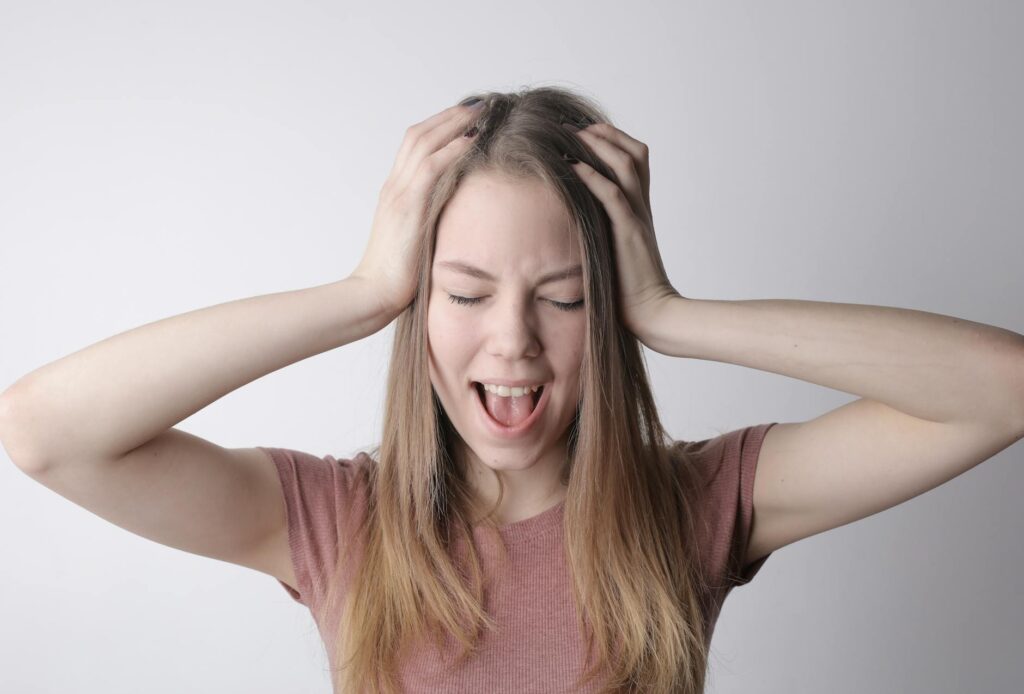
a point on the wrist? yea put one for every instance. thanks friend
(664, 331)
(386, 307)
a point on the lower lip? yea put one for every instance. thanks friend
(503, 432)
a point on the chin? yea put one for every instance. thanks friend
(506, 461)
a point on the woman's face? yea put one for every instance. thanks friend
(516, 232)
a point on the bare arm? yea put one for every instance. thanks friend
(97, 426)
(104, 400)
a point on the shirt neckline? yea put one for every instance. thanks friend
(528, 528)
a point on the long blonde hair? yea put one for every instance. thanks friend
(628, 523)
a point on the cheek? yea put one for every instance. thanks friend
(573, 339)
(571, 358)
(449, 339)
(439, 326)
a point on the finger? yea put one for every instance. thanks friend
(413, 131)
(621, 162)
(426, 174)
(611, 196)
(626, 227)
(426, 137)
(636, 149)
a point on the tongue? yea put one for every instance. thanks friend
(509, 411)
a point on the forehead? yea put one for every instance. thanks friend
(496, 221)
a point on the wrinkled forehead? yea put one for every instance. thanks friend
(496, 220)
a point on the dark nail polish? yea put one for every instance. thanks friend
(571, 160)
(471, 132)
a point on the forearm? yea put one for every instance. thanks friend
(112, 396)
(928, 365)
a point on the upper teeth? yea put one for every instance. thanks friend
(506, 391)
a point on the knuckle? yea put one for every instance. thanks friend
(622, 158)
(400, 204)
(390, 191)
(429, 167)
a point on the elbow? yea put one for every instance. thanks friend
(1017, 416)
(1017, 381)
(1006, 388)
(21, 452)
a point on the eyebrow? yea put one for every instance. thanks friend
(473, 271)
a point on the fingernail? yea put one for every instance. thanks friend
(471, 132)
(571, 160)
(473, 102)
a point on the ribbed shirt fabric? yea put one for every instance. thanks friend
(537, 647)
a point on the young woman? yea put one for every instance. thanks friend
(525, 524)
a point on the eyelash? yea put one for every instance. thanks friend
(574, 306)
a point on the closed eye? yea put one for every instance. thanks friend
(466, 301)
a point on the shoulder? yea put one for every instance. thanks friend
(325, 501)
(321, 484)
(717, 459)
(305, 464)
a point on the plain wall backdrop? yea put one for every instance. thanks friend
(156, 158)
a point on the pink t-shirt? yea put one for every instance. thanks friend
(537, 647)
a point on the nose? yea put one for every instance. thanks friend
(513, 331)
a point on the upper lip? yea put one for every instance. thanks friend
(512, 383)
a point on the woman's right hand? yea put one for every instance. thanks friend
(389, 261)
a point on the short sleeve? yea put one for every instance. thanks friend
(314, 490)
(729, 464)
(749, 450)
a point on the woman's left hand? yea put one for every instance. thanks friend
(644, 288)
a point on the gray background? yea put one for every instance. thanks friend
(157, 158)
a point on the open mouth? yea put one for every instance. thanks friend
(483, 398)
(509, 417)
